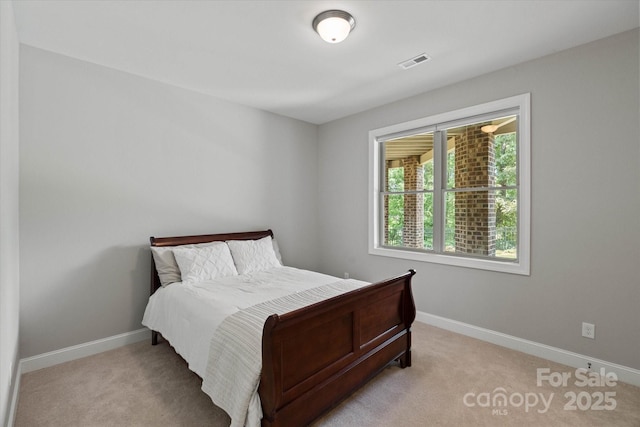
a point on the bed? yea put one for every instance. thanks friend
(311, 354)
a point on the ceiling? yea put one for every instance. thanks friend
(265, 54)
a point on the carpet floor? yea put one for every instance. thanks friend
(454, 381)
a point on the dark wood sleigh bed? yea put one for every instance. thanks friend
(316, 356)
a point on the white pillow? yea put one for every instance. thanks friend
(166, 265)
(204, 263)
(276, 249)
(253, 255)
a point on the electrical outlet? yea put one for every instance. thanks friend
(346, 275)
(588, 330)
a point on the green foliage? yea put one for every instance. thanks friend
(395, 179)
(506, 175)
(395, 182)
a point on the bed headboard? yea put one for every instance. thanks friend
(203, 238)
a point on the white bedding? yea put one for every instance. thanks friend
(188, 314)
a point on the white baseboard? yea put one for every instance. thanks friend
(13, 405)
(82, 350)
(558, 355)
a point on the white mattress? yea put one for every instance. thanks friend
(188, 314)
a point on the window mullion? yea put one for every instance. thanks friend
(438, 193)
(383, 189)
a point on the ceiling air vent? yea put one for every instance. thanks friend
(423, 57)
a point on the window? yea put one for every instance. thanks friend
(454, 188)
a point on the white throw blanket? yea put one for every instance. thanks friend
(235, 356)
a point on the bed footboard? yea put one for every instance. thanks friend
(315, 357)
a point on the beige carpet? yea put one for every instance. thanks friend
(453, 382)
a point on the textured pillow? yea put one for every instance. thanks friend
(165, 261)
(204, 263)
(253, 255)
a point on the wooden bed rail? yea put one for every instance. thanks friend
(315, 357)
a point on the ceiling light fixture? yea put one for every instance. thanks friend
(493, 128)
(334, 25)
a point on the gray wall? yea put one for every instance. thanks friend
(585, 203)
(108, 159)
(9, 220)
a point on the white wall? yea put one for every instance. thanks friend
(585, 203)
(108, 159)
(9, 184)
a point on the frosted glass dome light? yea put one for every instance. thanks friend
(334, 25)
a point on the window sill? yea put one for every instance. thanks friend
(516, 267)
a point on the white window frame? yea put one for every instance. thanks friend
(376, 136)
